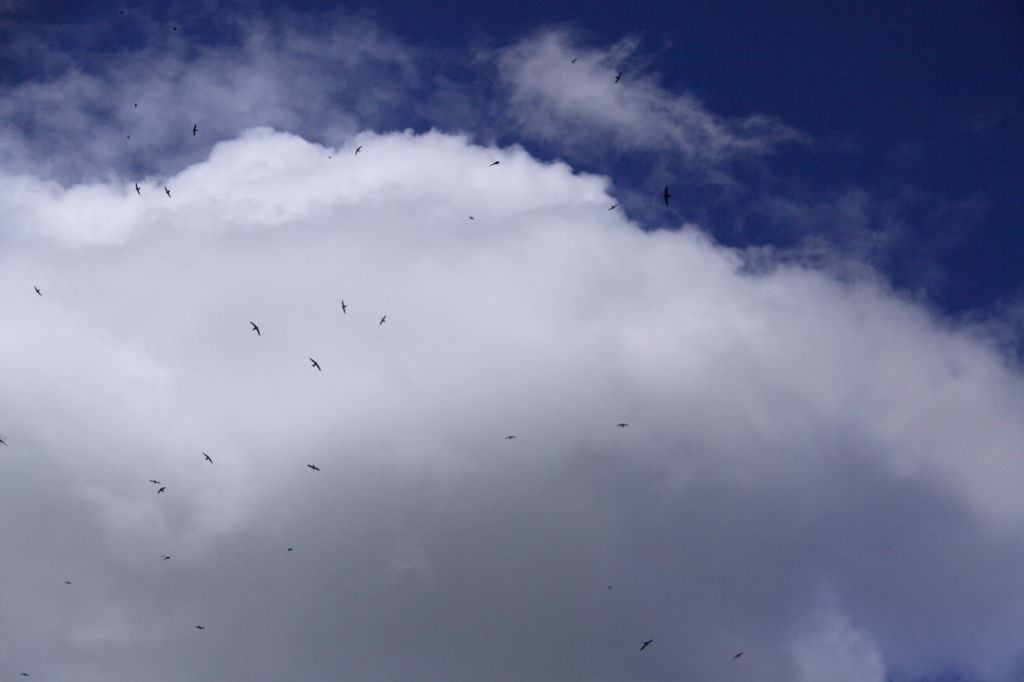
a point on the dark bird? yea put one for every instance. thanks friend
(207, 458)
(666, 195)
(152, 481)
(289, 549)
(168, 192)
(609, 587)
(613, 207)
(472, 218)
(25, 674)
(315, 364)
(509, 437)
(137, 190)
(136, 104)
(194, 129)
(2, 441)
(358, 149)
(622, 426)
(618, 77)
(255, 328)
(67, 582)
(382, 320)
(574, 60)
(200, 627)
(175, 28)
(737, 655)
(344, 308)
(165, 558)
(313, 467)
(161, 489)
(645, 644)
(37, 291)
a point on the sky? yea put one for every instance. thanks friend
(774, 424)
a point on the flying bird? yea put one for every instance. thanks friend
(25, 674)
(194, 129)
(255, 328)
(574, 60)
(382, 320)
(168, 192)
(358, 149)
(165, 558)
(618, 77)
(737, 655)
(161, 489)
(472, 218)
(645, 644)
(37, 291)
(152, 481)
(344, 308)
(613, 207)
(289, 549)
(200, 627)
(67, 582)
(666, 195)
(137, 190)
(207, 458)
(2, 441)
(313, 467)
(509, 437)
(622, 425)
(315, 364)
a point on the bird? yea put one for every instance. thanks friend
(207, 458)
(344, 308)
(175, 28)
(200, 627)
(37, 291)
(289, 549)
(315, 364)
(194, 129)
(574, 60)
(645, 644)
(2, 441)
(609, 587)
(161, 489)
(382, 320)
(313, 467)
(622, 425)
(25, 674)
(154, 481)
(165, 558)
(666, 195)
(613, 207)
(618, 77)
(472, 218)
(137, 190)
(509, 437)
(737, 655)
(168, 192)
(255, 328)
(67, 582)
(358, 149)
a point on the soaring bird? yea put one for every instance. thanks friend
(37, 291)
(622, 426)
(200, 627)
(382, 320)
(645, 644)
(344, 308)
(313, 467)
(67, 582)
(2, 440)
(358, 149)
(153, 481)
(255, 328)
(613, 207)
(666, 195)
(161, 489)
(315, 364)
(207, 458)
(194, 129)
(618, 77)
(509, 437)
(137, 190)
(165, 558)
(574, 60)
(168, 192)
(737, 655)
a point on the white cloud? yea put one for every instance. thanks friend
(784, 429)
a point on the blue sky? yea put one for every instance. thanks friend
(815, 345)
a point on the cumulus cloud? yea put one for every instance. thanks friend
(793, 440)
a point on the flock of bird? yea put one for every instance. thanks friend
(666, 195)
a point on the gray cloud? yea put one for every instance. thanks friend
(816, 473)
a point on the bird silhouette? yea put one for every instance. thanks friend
(137, 190)
(344, 308)
(67, 582)
(255, 328)
(737, 655)
(574, 60)
(666, 195)
(613, 207)
(168, 192)
(509, 437)
(207, 458)
(37, 291)
(358, 149)
(2, 442)
(316, 364)
(194, 129)
(165, 558)
(617, 78)
(162, 488)
(289, 549)
(645, 644)
(622, 426)
(313, 467)
(153, 481)
(382, 320)
(200, 627)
